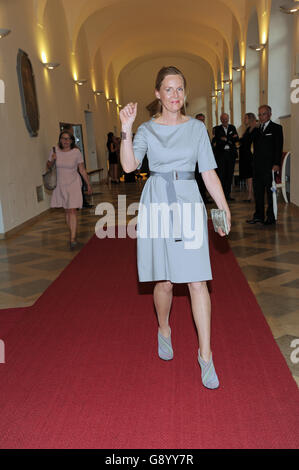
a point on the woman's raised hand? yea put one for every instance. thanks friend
(127, 115)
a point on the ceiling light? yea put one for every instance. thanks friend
(238, 68)
(80, 82)
(257, 47)
(290, 8)
(50, 65)
(4, 32)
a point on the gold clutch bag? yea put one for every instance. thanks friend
(219, 220)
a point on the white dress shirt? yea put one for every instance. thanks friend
(225, 130)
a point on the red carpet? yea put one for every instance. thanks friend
(82, 369)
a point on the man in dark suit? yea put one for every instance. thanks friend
(224, 143)
(268, 147)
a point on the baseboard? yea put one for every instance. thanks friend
(15, 230)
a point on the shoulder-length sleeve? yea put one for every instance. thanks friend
(140, 144)
(205, 156)
(80, 158)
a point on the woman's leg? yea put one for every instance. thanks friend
(201, 309)
(67, 217)
(73, 223)
(163, 301)
(250, 188)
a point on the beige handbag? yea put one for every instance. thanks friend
(50, 178)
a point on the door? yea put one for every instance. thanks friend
(91, 142)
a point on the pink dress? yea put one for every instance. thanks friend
(68, 192)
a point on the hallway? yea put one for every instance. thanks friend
(269, 257)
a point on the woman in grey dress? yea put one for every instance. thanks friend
(172, 245)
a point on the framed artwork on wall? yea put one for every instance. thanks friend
(28, 93)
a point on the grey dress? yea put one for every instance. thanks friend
(173, 148)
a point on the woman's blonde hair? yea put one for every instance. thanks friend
(163, 73)
(251, 118)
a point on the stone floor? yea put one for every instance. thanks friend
(268, 256)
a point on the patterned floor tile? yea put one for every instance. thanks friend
(28, 289)
(9, 276)
(50, 265)
(294, 284)
(260, 273)
(247, 251)
(292, 257)
(22, 258)
(289, 346)
(277, 305)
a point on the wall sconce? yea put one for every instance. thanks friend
(50, 65)
(4, 32)
(289, 8)
(80, 82)
(213, 97)
(257, 47)
(110, 100)
(226, 82)
(98, 92)
(238, 68)
(220, 90)
(119, 106)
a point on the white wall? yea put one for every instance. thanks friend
(252, 67)
(23, 158)
(237, 88)
(280, 61)
(295, 119)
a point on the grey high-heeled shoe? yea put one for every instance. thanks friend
(208, 374)
(165, 350)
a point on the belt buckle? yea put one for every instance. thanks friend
(175, 175)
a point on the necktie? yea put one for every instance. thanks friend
(263, 127)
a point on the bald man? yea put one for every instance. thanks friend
(268, 148)
(224, 142)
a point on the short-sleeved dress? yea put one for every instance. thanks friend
(68, 192)
(173, 148)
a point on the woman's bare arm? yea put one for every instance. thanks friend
(214, 186)
(127, 157)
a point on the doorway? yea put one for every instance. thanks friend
(91, 143)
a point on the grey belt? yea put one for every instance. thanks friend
(170, 177)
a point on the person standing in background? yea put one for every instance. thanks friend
(225, 139)
(86, 205)
(245, 154)
(268, 146)
(112, 157)
(67, 193)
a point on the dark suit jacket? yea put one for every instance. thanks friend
(219, 144)
(268, 147)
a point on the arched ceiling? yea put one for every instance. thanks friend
(124, 30)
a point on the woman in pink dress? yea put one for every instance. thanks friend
(68, 193)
